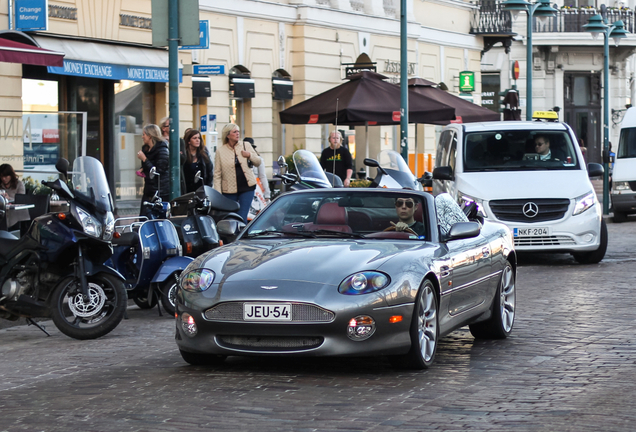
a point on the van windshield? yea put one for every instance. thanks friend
(627, 144)
(519, 150)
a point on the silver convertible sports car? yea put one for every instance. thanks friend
(349, 272)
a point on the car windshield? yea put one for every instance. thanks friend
(343, 213)
(519, 150)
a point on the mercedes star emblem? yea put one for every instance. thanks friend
(530, 209)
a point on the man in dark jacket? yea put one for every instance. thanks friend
(336, 159)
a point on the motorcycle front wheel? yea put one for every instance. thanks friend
(93, 317)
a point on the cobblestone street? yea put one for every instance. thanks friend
(568, 366)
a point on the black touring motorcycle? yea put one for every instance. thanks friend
(56, 269)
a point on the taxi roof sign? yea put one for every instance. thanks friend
(546, 115)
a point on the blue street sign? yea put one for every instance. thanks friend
(204, 123)
(208, 69)
(122, 124)
(31, 15)
(204, 37)
(208, 122)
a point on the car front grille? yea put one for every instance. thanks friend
(512, 210)
(301, 312)
(544, 241)
(270, 343)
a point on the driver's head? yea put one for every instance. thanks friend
(405, 208)
(542, 144)
(335, 139)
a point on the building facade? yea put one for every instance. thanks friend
(273, 54)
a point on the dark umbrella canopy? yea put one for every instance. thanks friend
(366, 97)
(467, 111)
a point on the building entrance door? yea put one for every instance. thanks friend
(582, 111)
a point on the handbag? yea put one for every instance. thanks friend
(250, 164)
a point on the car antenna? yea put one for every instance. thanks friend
(333, 180)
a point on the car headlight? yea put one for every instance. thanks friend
(463, 200)
(620, 187)
(197, 280)
(363, 283)
(109, 227)
(89, 224)
(584, 202)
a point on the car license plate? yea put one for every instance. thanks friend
(531, 232)
(267, 311)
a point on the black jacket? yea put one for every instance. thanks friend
(207, 172)
(159, 157)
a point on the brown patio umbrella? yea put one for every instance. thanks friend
(467, 111)
(366, 99)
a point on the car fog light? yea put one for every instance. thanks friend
(360, 328)
(188, 325)
(588, 237)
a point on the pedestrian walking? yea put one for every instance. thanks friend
(194, 160)
(158, 156)
(336, 159)
(233, 177)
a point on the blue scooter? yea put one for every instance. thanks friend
(149, 255)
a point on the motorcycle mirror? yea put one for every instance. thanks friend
(229, 227)
(371, 163)
(197, 177)
(281, 161)
(153, 172)
(62, 166)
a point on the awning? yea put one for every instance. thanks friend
(108, 61)
(16, 52)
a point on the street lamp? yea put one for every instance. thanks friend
(542, 10)
(598, 25)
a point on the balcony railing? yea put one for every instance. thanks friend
(573, 20)
(491, 19)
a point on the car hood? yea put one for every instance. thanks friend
(322, 261)
(524, 184)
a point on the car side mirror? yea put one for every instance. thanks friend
(464, 230)
(594, 169)
(443, 173)
(229, 227)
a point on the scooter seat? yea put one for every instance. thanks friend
(126, 239)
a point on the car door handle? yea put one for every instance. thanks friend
(445, 271)
(485, 252)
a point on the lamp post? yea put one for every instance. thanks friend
(598, 25)
(542, 10)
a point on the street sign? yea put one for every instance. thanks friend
(208, 123)
(208, 70)
(188, 22)
(204, 37)
(466, 81)
(515, 69)
(31, 15)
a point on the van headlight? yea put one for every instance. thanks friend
(620, 187)
(89, 224)
(584, 202)
(465, 199)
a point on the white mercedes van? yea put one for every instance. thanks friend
(623, 193)
(545, 197)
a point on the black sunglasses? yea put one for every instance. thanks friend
(407, 203)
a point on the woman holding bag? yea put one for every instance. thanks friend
(233, 176)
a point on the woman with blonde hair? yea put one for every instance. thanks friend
(157, 156)
(233, 175)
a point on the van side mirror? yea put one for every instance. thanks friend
(595, 169)
(443, 173)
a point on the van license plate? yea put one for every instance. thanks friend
(267, 311)
(531, 232)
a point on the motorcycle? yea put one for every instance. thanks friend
(393, 172)
(310, 174)
(148, 252)
(56, 269)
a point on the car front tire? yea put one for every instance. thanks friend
(424, 331)
(596, 256)
(198, 359)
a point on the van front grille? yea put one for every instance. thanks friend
(513, 210)
(544, 241)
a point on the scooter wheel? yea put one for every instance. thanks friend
(146, 300)
(169, 294)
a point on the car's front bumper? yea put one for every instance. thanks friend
(298, 338)
(624, 202)
(580, 233)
